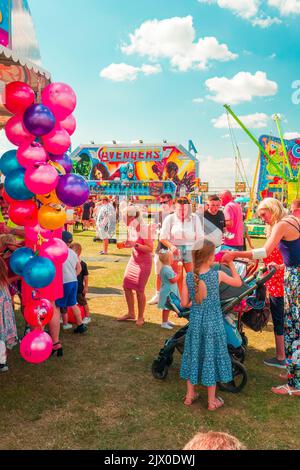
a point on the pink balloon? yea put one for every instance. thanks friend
(57, 142)
(69, 124)
(36, 347)
(60, 98)
(55, 250)
(28, 155)
(41, 179)
(33, 231)
(16, 133)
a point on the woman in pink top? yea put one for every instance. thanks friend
(140, 264)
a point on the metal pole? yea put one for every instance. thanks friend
(280, 173)
(287, 160)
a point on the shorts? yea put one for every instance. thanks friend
(277, 312)
(157, 264)
(185, 254)
(70, 295)
(81, 300)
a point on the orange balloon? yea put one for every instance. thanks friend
(50, 198)
(52, 217)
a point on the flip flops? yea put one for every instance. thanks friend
(188, 401)
(218, 404)
(126, 318)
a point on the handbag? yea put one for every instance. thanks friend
(256, 319)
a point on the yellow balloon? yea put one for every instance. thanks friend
(50, 198)
(52, 217)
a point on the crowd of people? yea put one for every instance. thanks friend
(187, 239)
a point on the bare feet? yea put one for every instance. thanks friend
(189, 400)
(126, 318)
(217, 403)
(140, 322)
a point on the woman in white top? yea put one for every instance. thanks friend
(179, 233)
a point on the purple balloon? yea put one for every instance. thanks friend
(39, 120)
(72, 190)
(64, 160)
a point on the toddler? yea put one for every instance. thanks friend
(83, 284)
(169, 281)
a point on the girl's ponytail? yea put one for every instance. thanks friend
(200, 289)
(200, 257)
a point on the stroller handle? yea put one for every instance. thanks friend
(267, 277)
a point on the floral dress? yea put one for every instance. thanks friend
(8, 329)
(205, 358)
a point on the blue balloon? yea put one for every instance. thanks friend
(39, 272)
(39, 120)
(15, 186)
(9, 162)
(19, 259)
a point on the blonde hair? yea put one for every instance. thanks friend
(76, 247)
(200, 256)
(276, 209)
(274, 206)
(164, 257)
(214, 441)
(133, 211)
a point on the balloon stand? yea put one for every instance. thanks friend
(39, 188)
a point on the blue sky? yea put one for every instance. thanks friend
(251, 66)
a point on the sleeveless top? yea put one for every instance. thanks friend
(290, 250)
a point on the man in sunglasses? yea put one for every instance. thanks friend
(167, 208)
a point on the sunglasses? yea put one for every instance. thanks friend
(182, 202)
(164, 202)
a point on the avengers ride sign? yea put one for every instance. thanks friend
(138, 165)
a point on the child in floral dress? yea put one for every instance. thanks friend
(8, 329)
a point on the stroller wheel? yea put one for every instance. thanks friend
(159, 370)
(238, 354)
(170, 361)
(245, 340)
(239, 378)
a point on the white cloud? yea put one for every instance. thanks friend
(291, 135)
(124, 72)
(198, 100)
(286, 7)
(150, 69)
(242, 87)
(265, 22)
(252, 121)
(175, 39)
(220, 172)
(248, 10)
(244, 8)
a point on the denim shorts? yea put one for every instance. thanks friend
(70, 295)
(277, 312)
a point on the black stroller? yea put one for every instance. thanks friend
(231, 297)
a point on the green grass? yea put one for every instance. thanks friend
(102, 394)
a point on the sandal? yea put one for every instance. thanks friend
(219, 402)
(188, 401)
(126, 318)
(285, 390)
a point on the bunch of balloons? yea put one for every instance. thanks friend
(38, 183)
